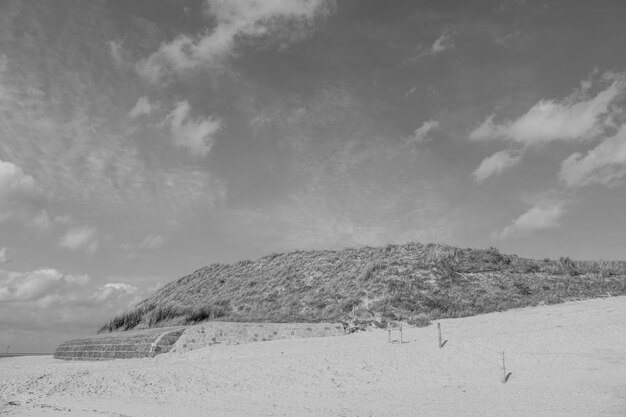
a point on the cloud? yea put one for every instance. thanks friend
(118, 54)
(496, 164)
(17, 192)
(14, 181)
(3, 63)
(67, 305)
(150, 242)
(543, 215)
(320, 220)
(346, 183)
(578, 117)
(279, 22)
(4, 258)
(509, 38)
(80, 238)
(605, 164)
(42, 222)
(71, 132)
(142, 107)
(37, 285)
(410, 91)
(421, 134)
(441, 44)
(196, 135)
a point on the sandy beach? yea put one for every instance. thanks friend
(565, 360)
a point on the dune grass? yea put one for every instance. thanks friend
(413, 282)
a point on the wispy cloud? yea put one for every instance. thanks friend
(509, 5)
(351, 186)
(277, 21)
(4, 258)
(440, 45)
(80, 238)
(508, 39)
(149, 243)
(75, 140)
(152, 242)
(118, 55)
(410, 91)
(196, 135)
(496, 164)
(545, 214)
(42, 222)
(605, 164)
(421, 134)
(3, 62)
(143, 106)
(321, 220)
(575, 118)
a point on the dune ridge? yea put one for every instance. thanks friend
(412, 282)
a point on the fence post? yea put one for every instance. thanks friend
(439, 331)
(503, 369)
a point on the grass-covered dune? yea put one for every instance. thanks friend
(414, 282)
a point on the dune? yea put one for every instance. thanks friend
(561, 360)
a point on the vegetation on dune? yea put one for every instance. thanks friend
(412, 282)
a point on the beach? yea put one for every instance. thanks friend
(560, 360)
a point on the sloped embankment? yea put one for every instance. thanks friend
(120, 345)
(151, 342)
(414, 282)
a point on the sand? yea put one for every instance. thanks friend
(565, 360)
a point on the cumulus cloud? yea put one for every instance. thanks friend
(80, 238)
(17, 190)
(577, 117)
(196, 135)
(4, 258)
(236, 21)
(605, 164)
(67, 305)
(421, 134)
(93, 157)
(543, 215)
(496, 164)
(37, 285)
(143, 106)
(13, 180)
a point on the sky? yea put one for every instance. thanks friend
(140, 141)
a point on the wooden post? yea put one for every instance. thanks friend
(389, 332)
(400, 333)
(503, 369)
(439, 331)
(8, 346)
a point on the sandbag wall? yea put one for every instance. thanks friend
(232, 333)
(120, 345)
